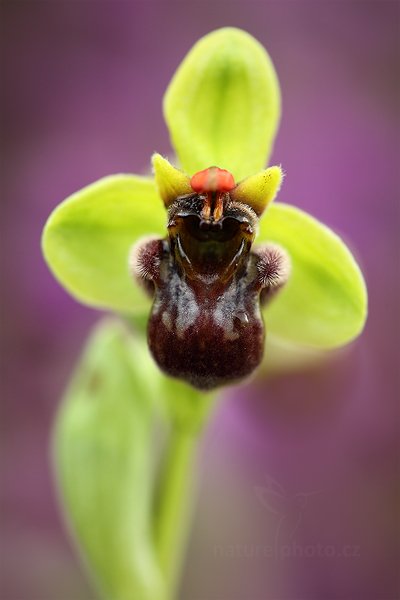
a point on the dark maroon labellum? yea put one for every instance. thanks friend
(205, 325)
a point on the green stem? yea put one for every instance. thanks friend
(174, 502)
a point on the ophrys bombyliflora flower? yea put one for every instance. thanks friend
(222, 108)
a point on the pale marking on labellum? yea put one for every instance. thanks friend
(231, 305)
(166, 319)
(224, 312)
(157, 305)
(186, 305)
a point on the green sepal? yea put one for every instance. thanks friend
(87, 238)
(324, 303)
(222, 106)
(103, 453)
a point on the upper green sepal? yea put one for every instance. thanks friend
(87, 238)
(324, 303)
(222, 106)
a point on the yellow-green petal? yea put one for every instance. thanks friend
(222, 106)
(324, 304)
(170, 181)
(259, 190)
(87, 238)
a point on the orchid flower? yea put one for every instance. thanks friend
(130, 244)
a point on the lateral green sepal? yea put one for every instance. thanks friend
(87, 238)
(324, 303)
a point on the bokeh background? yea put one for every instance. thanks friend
(82, 83)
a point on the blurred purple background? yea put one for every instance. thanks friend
(82, 86)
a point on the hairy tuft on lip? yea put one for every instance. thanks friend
(144, 259)
(273, 267)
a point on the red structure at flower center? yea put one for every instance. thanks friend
(212, 179)
(214, 183)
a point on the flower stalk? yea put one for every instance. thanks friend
(174, 505)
